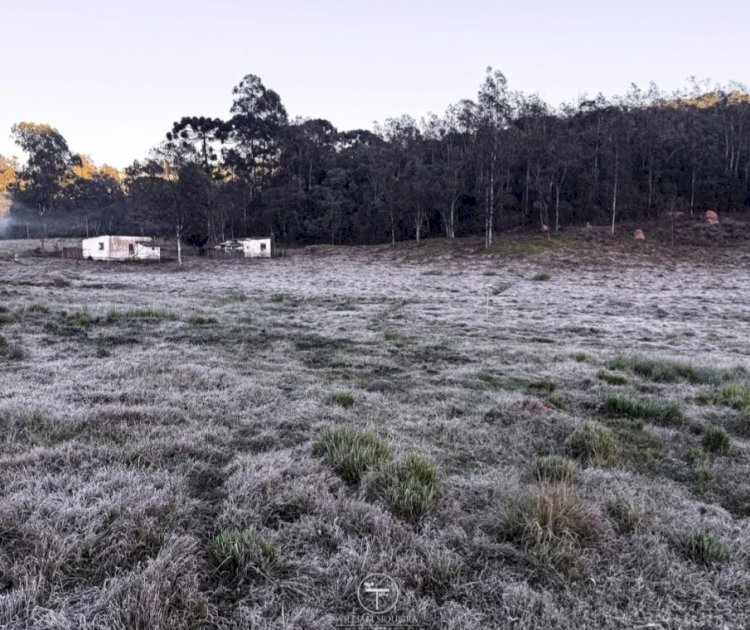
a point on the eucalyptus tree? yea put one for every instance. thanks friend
(253, 134)
(8, 170)
(493, 116)
(168, 189)
(200, 140)
(47, 171)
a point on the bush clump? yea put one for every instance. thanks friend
(702, 547)
(716, 440)
(239, 552)
(592, 443)
(554, 468)
(662, 412)
(352, 453)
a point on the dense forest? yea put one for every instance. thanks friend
(502, 160)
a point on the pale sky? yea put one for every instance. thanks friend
(113, 76)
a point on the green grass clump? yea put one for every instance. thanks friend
(735, 395)
(542, 277)
(544, 385)
(662, 412)
(628, 516)
(238, 552)
(716, 440)
(10, 351)
(702, 547)
(37, 308)
(556, 401)
(486, 377)
(342, 399)
(150, 313)
(664, 371)
(554, 468)
(352, 453)
(612, 379)
(408, 486)
(581, 357)
(235, 297)
(201, 320)
(592, 443)
(79, 318)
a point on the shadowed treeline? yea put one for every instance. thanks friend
(501, 160)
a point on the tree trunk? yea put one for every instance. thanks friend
(557, 208)
(692, 192)
(179, 246)
(614, 198)
(491, 219)
(450, 230)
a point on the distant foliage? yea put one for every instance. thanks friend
(502, 159)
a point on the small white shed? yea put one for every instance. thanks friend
(256, 247)
(120, 248)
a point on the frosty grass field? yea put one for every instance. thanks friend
(526, 442)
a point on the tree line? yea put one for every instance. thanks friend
(500, 160)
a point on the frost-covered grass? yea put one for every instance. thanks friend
(205, 448)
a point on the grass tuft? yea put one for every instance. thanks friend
(592, 443)
(664, 371)
(408, 486)
(542, 277)
(612, 379)
(716, 440)
(554, 468)
(201, 320)
(662, 412)
(544, 385)
(628, 516)
(150, 313)
(734, 395)
(239, 552)
(352, 453)
(342, 399)
(702, 547)
(551, 524)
